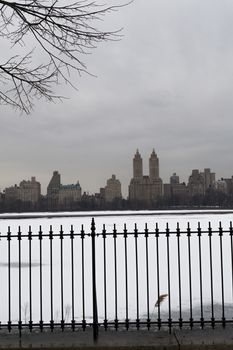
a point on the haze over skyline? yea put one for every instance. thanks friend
(167, 84)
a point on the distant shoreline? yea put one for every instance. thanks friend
(50, 215)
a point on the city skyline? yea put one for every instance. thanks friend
(125, 192)
(167, 83)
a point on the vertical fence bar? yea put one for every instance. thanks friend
(222, 274)
(20, 283)
(136, 262)
(231, 238)
(179, 274)
(61, 236)
(147, 279)
(168, 279)
(126, 280)
(72, 277)
(105, 279)
(115, 274)
(83, 281)
(95, 312)
(51, 278)
(211, 276)
(158, 276)
(9, 278)
(200, 273)
(41, 279)
(190, 278)
(30, 277)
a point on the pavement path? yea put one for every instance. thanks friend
(208, 338)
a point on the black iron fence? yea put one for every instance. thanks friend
(139, 278)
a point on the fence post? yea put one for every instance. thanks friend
(95, 311)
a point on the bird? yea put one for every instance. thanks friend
(161, 298)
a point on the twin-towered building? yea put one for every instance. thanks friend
(145, 189)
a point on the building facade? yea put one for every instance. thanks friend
(145, 189)
(30, 191)
(12, 194)
(27, 192)
(69, 195)
(175, 191)
(53, 190)
(200, 182)
(112, 190)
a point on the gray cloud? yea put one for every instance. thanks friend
(167, 84)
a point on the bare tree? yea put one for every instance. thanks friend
(58, 32)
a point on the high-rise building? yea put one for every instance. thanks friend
(26, 192)
(174, 179)
(137, 166)
(200, 182)
(209, 179)
(53, 190)
(112, 190)
(68, 195)
(62, 196)
(12, 194)
(153, 166)
(229, 183)
(177, 192)
(145, 189)
(30, 191)
(196, 183)
(221, 186)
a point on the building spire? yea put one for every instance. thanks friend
(154, 166)
(137, 165)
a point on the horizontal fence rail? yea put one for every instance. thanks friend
(122, 278)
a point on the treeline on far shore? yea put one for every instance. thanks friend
(209, 200)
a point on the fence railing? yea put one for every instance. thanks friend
(138, 278)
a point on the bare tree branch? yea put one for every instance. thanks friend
(63, 31)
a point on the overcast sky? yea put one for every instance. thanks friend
(167, 85)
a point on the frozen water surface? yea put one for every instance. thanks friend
(118, 291)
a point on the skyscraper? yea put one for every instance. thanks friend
(53, 190)
(154, 166)
(113, 189)
(145, 189)
(137, 166)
